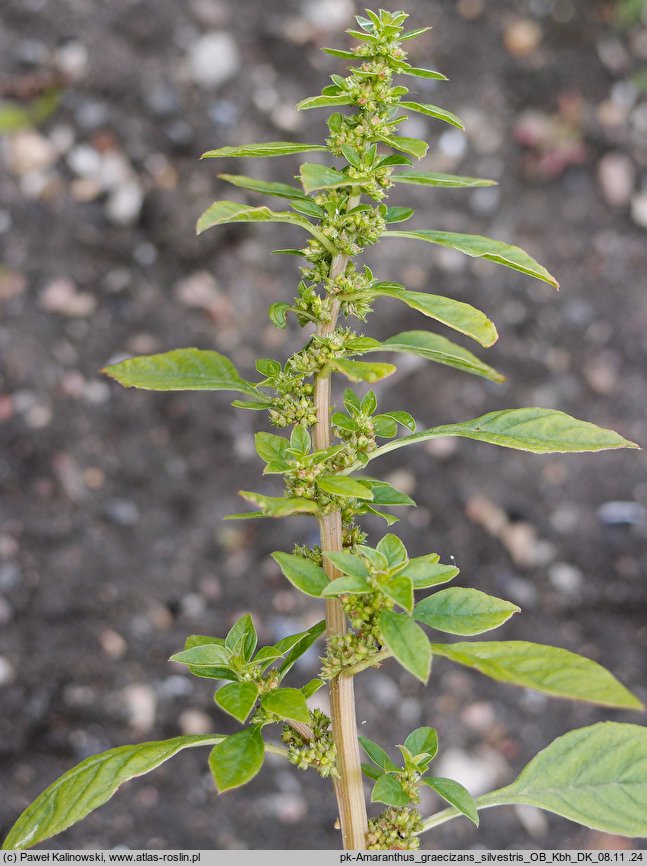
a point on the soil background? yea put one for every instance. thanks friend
(112, 544)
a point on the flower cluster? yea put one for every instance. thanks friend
(394, 829)
(319, 752)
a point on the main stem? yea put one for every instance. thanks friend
(348, 787)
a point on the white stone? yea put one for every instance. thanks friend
(617, 176)
(639, 209)
(565, 578)
(7, 672)
(124, 203)
(141, 705)
(29, 151)
(213, 59)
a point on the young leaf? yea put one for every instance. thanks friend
(405, 69)
(203, 656)
(201, 639)
(302, 573)
(91, 784)
(548, 669)
(181, 370)
(275, 506)
(408, 643)
(595, 776)
(312, 687)
(411, 34)
(287, 704)
(237, 699)
(278, 311)
(424, 573)
(456, 795)
(398, 214)
(315, 177)
(483, 248)
(371, 771)
(324, 102)
(270, 447)
(267, 148)
(393, 550)
(542, 431)
(400, 589)
(421, 740)
(281, 190)
(342, 485)
(377, 754)
(339, 52)
(363, 371)
(438, 179)
(242, 637)
(413, 146)
(434, 111)
(455, 314)
(349, 584)
(348, 563)
(463, 611)
(388, 790)
(236, 760)
(226, 212)
(385, 494)
(433, 347)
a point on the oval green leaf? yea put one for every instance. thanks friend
(287, 704)
(237, 699)
(307, 576)
(91, 784)
(342, 485)
(547, 669)
(438, 179)
(408, 643)
(595, 776)
(237, 759)
(388, 790)
(433, 347)
(267, 148)
(463, 611)
(281, 190)
(434, 111)
(456, 795)
(421, 740)
(181, 370)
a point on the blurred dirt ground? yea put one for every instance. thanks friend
(112, 546)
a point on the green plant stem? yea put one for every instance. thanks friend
(369, 662)
(349, 786)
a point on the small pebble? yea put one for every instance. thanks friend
(522, 37)
(639, 209)
(565, 578)
(194, 721)
(213, 59)
(141, 706)
(617, 176)
(622, 514)
(7, 672)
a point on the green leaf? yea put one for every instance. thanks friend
(242, 637)
(595, 776)
(202, 639)
(548, 669)
(236, 760)
(434, 111)
(324, 102)
(424, 573)
(278, 311)
(276, 506)
(287, 704)
(91, 784)
(237, 699)
(455, 314)
(388, 790)
(463, 611)
(349, 584)
(377, 754)
(393, 550)
(203, 656)
(400, 589)
(411, 34)
(420, 73)
(281, 190)
(371, 771)
(421, 740)
(413, 146)
(438, 179)
(363, 371)
(309, 638)
(433, 347)
(302, 573)
(483, 248)
(316, 177)
(398, 214)
(270, 447)
(542, 431)
(267, 148)
(226, 212)
(385, 494)
(456, 795)
(339, 52)
(408, 643)
(342, 485)
(312, 687)
(181, 370)
(348, 563)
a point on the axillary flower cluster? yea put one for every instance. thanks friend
(369, 590)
